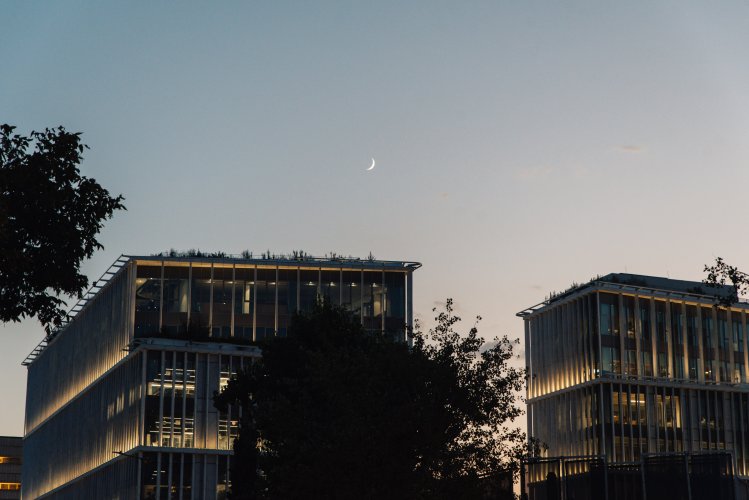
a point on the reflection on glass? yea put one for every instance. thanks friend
(395, 304)
(330, 287)
(244, 298)
(223, 478)
(611, 361)
(287, 298)
(176, 283)
(660, 326)
(147, 300)
(694, 342)
(149, 476)
(200, 298)
(351, 292)
(645, 324)
(372, 294)
(308, 281)
(170, 388)
(629, 316)
(723, 331)
(738, 334)
(153, 395)
(647, 363)
(609, 314)
(223, 283)
(265, 293)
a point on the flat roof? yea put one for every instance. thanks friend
(278, 260)
(683, 288)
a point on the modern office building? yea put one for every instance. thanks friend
(119, 400)
(10, 467)
(629, 365)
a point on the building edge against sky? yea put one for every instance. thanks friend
(119, 400)
(627, 365)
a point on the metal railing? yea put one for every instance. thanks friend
(676, 476)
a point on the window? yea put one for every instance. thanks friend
(645, 319)
(738, 333)
(609, 314)
(611, 361)
(223, 284)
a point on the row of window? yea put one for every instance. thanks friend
(182, 476)
(252, 303)
(172, 411)
(623, 421)
(656, 325)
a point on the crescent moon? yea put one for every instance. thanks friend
(372, 165)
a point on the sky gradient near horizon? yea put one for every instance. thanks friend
(520, 146)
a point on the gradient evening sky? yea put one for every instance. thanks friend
(520, 146)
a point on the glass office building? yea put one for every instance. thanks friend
(119, 400)
(628, 365)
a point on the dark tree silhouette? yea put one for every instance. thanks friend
(728, 281)
(50, 216)
(333, 411)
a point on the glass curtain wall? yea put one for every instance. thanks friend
(244, 303)
(308, 288)
(288, 292)
(200, 299)
(171, 386)
(725, 370)
(661, 338)
(330, 286)
(630, 343)
(175, 299)
(223, 292)
(677, 339)
(737, 330)
(708, 344)
(265, 293)
(179, 475)
(609, 330)
(693, 338)
(646, 337)
(372, 294)
(351, 292)
(226, 301)
(148, 301)
(395, 301)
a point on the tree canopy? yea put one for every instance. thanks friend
(729, 281)
(50, 216)
(333, 411)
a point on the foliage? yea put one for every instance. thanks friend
(337, 412)
(50, 216)
(730, 282)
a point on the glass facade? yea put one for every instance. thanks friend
(199, 302)
(133, 417)
(622, 373)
